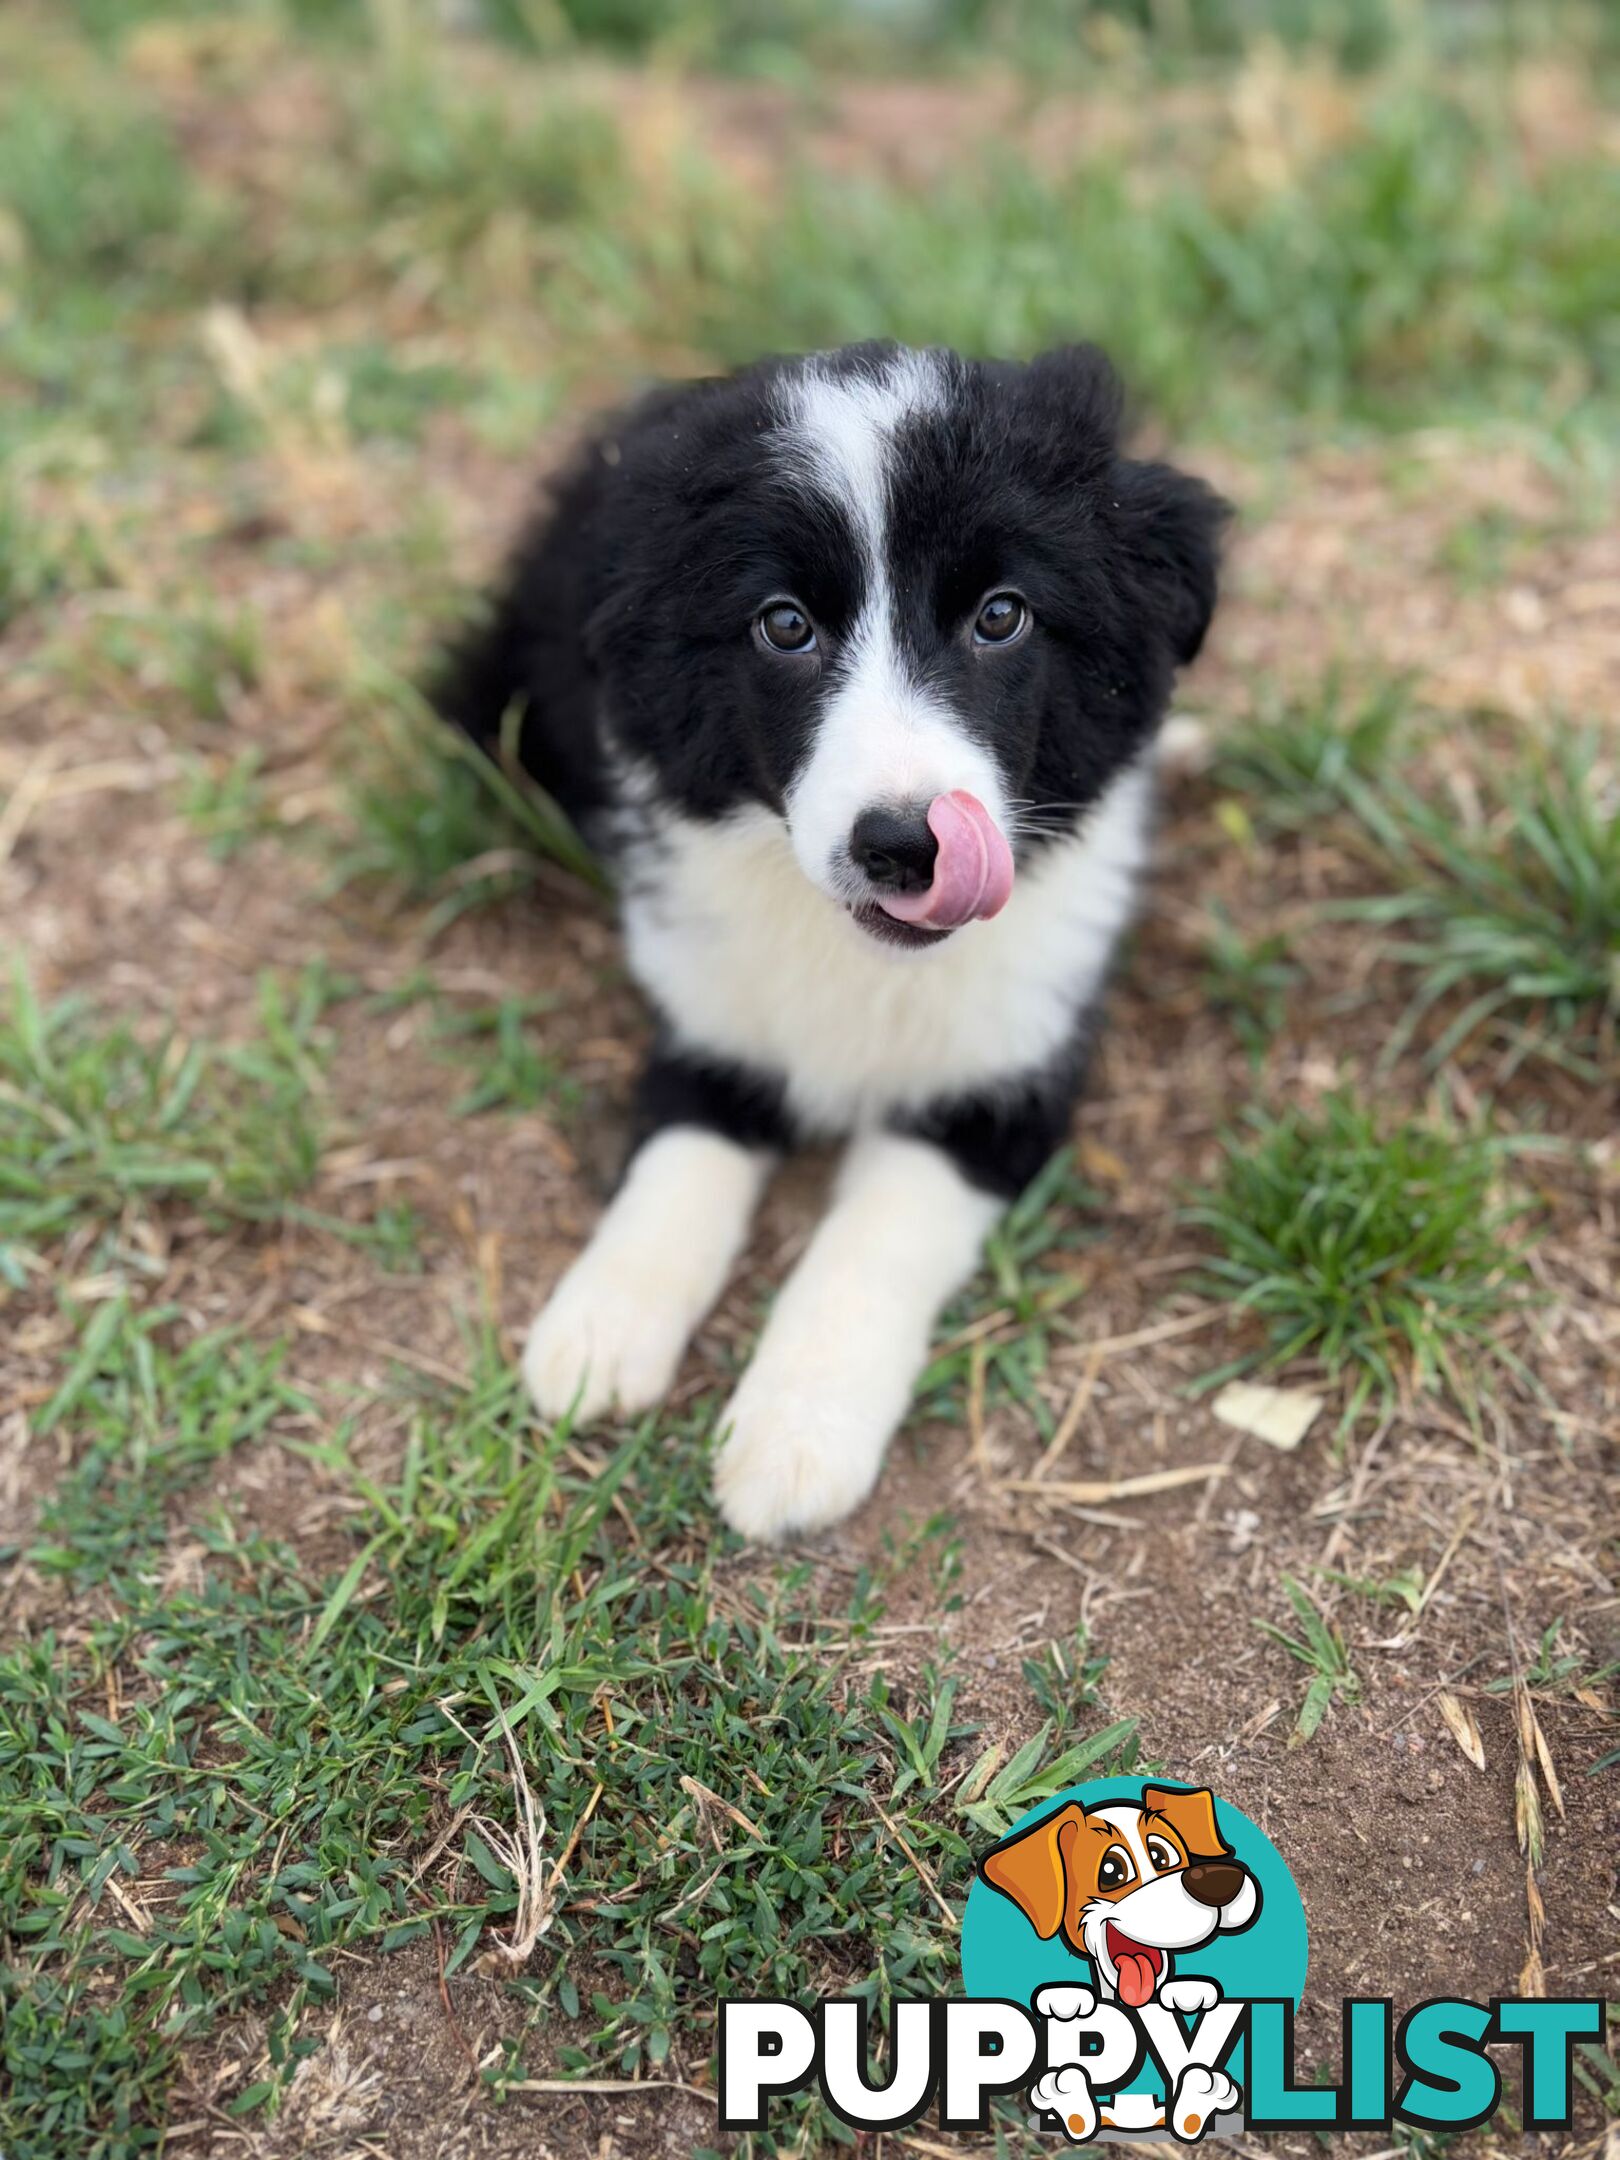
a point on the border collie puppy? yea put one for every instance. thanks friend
(849, 667)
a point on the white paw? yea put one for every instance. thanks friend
(1064, 2003)
(1201, 2095)
(613, 1333)
(1067, 2094)
(609, 1338)
(797, 1454)
(1190, 1997)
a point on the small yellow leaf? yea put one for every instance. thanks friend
(1460, 1724)
(1101, 1163)
(1279, 1416)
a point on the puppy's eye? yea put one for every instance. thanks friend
(1162, 1854)
(1116, 1870)
(1003, 617)
(785, 627)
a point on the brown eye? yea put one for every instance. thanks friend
(1163, 1855)
(1116, 1869)
(785, 627)
(1002, 618)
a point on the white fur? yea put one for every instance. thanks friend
(612, 1333)
(751, 962)
(883, 740)
(806, 1430)
(1201, 2095)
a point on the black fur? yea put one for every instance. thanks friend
(633, 592)
(627, 616)
(678, 1089)
(1002, 1141)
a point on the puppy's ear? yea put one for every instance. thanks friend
(1078, 402)
(1192, 1817)
(1170, 526)
(1166, 525)
(1031, 1869)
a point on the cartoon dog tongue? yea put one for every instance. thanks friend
(1136, 1970)
(973, 867)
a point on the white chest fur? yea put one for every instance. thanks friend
(749, 962)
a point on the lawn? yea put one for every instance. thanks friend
(383, 1773)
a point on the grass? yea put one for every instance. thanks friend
(440, 820)
(512, 1072)
(99, 1125)
(998, 1338)
(1409, 265)
(1294, 761)
(1501, 903)
(1385, 1251)
(1321, 1649)
(1061, 37)
(1506, 905)
(259, 1758)
(1402, 272)
(226, 802)
(1248, 979)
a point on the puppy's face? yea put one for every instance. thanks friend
(1128, 1885)
(920, 609)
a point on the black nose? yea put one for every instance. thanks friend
(1213, 1882)
(895, 849)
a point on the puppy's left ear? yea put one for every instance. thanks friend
(1032, 1868)
(1170, 528)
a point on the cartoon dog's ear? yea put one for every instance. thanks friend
(1192, 1817)
(1031, 1868)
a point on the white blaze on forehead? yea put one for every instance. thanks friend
(841, 428)
(1128, 1822)
(883, 739)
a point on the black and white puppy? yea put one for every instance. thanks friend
(850, 667)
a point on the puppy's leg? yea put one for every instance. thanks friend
(848, 1334)
(1201, 2095)
(613, 1331)
(847, 1337)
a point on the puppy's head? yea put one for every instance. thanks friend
(1127, 1884)
(924, 610)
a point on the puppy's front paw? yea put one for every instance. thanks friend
(1064, 2002)
(797, 1454)
(1201, 2095)
(610, 1338)
(1067, 2094)
(1189, 1996)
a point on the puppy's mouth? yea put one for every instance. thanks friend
(969, 871)
(890, 930)
(972, 872)
(1138, 1965)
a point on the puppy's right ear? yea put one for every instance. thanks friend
(1031, 1868)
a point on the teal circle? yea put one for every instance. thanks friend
(1003, 1956)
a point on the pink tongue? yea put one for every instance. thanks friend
(1135, 1978)
(973, 869)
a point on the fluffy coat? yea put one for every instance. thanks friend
(789, 648)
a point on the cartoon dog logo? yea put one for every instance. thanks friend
(1130, 1885)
